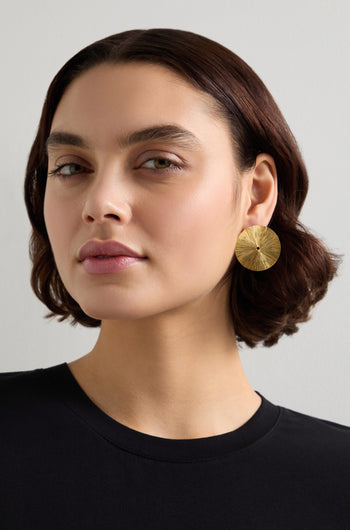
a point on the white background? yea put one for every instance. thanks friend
(301, 51)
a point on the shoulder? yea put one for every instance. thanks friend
(308, 425)
(29, 409)
(12, 380)
(312, 441)
(21, 388)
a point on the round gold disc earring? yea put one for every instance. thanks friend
(258, 248)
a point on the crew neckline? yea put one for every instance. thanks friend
(145, 445)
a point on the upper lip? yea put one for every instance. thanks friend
(105, 248)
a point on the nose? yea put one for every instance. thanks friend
(107, 199)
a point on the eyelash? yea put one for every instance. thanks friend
(56, 171)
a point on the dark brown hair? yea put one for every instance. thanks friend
(264, 305)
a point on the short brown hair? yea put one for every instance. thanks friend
(264, 305)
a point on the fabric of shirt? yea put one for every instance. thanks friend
(67, 465)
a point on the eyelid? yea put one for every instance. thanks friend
(162, 157)
(64, 158)
(57, 171)
(172, 167)
(67, 159)
(160, 154)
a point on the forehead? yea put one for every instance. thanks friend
(134, 94)
(134, 78)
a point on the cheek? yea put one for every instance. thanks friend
(57, 215)
(199, 225)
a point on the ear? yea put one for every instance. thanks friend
(261, 192)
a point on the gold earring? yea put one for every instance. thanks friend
(258, 248)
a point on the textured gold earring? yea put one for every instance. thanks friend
(258, 248)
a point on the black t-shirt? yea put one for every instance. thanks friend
(66, 465)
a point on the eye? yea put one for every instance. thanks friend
(160, 163)
(68, 170)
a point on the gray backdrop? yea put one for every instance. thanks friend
(301, 51)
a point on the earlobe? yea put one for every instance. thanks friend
(262, 191)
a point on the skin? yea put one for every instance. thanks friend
(166, 361)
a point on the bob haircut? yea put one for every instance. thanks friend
(264, 305)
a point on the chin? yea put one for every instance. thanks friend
(123, 312)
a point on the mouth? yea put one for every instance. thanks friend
(106, 249)
(105, 264)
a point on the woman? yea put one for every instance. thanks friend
(157, 151)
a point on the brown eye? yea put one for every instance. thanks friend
(67, 170)
(159, 163)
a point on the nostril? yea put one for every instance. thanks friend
(112, 216)
(91, 219)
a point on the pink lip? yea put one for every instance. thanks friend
(108, 265)
(94, 248)
(116, 257)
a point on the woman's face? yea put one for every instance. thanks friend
(170, 196)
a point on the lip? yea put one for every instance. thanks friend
(110, 248)
(108, 265)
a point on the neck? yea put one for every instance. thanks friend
(175, 375)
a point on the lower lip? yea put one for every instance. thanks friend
(108, 265)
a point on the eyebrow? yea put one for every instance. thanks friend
(167, 133)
